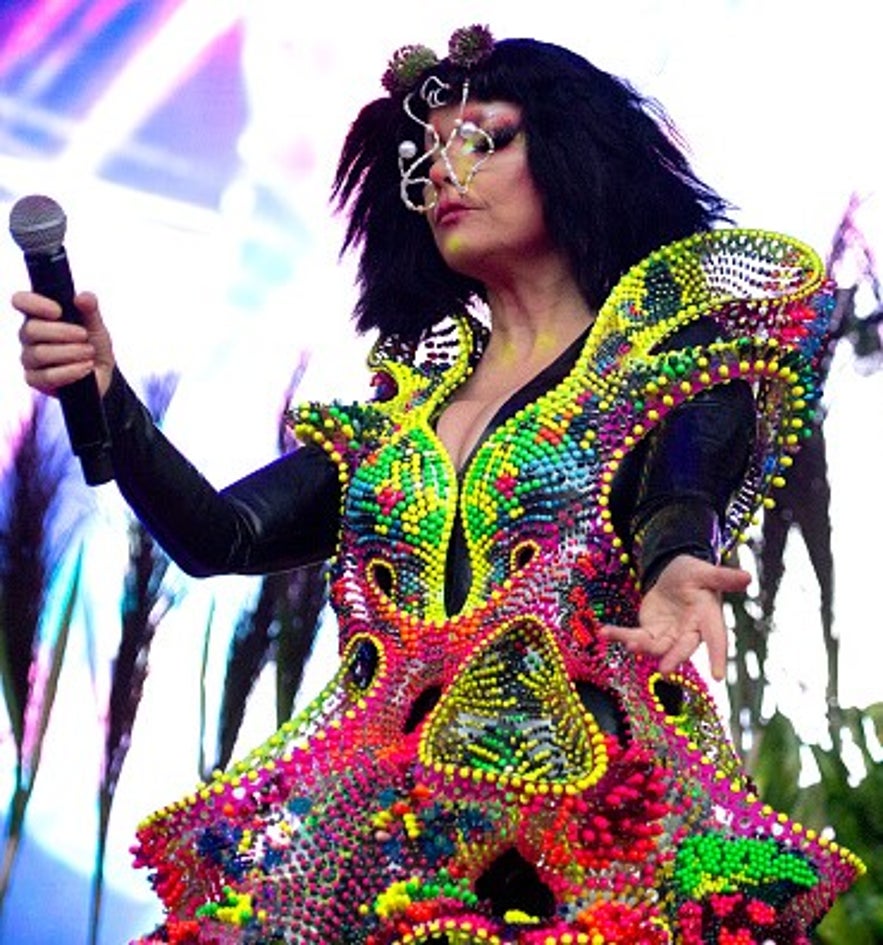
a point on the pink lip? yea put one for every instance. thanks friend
(449, 210)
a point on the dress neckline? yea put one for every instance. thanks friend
(541, 383)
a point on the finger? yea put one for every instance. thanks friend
(679, 651)
(32, 305)
(672, 647)
(49, 380)
(728, 580)
(38, 331)
(610, 631)
(652, 641)
(42, 355)
(636, 639)
(716, 644)
(87, 305)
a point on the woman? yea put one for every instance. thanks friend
(526, 524)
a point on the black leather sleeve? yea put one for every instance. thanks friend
(282, 516)
(672, 491)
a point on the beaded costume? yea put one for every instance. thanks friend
(503, 775)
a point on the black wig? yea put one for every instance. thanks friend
(612, 175)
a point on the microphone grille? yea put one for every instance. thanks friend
(37, 224)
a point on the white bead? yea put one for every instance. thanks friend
(407, 150)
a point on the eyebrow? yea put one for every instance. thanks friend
(483, 113)
(481, 117)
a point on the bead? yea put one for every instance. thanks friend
(407, 150)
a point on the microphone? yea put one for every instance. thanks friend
(38, 225)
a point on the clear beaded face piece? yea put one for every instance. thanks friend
(471, 140)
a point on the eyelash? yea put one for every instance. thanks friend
(502, 137)
(505, 136)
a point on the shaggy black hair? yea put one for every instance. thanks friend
(611, 171)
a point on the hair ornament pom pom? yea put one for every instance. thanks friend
(406, 66)
(467, 47)
(470, 45)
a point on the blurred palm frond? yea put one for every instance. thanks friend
(33, 634)
(145, 602)
(301, 603)
(282, 625)
(249, 652)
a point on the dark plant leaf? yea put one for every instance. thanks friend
(33, 636)
(249, 651)
(26, 557)
(777, 763)
(144, 604)
(301, 602)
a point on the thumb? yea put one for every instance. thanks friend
(87, 306)
(99, 337)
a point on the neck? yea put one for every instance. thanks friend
(534, 325)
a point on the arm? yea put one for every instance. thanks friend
(668, 502)
(281, 516)
(685, 476)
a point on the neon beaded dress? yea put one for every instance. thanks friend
(457, 780)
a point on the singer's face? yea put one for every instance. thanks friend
(486, 216)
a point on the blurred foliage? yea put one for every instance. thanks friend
(37, 597)
(280, 627)
(774, 755)
(853, 802)
(144, 602)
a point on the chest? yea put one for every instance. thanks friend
(530, 493)
(470, 413)
(463, 423)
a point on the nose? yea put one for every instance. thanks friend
(438, 172)
(451, 169)
(437, 177)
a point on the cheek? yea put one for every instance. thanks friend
(531, 208)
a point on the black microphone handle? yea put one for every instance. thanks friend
(80, 400)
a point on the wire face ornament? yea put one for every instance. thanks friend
(467, 48)
(414, 167)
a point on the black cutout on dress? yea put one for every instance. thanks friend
(671, 695)
(421, 707)
(524, 554)
(382, 574)
(363, 666)
(605, 708)
(511, 882)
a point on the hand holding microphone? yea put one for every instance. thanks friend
(38, 225)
